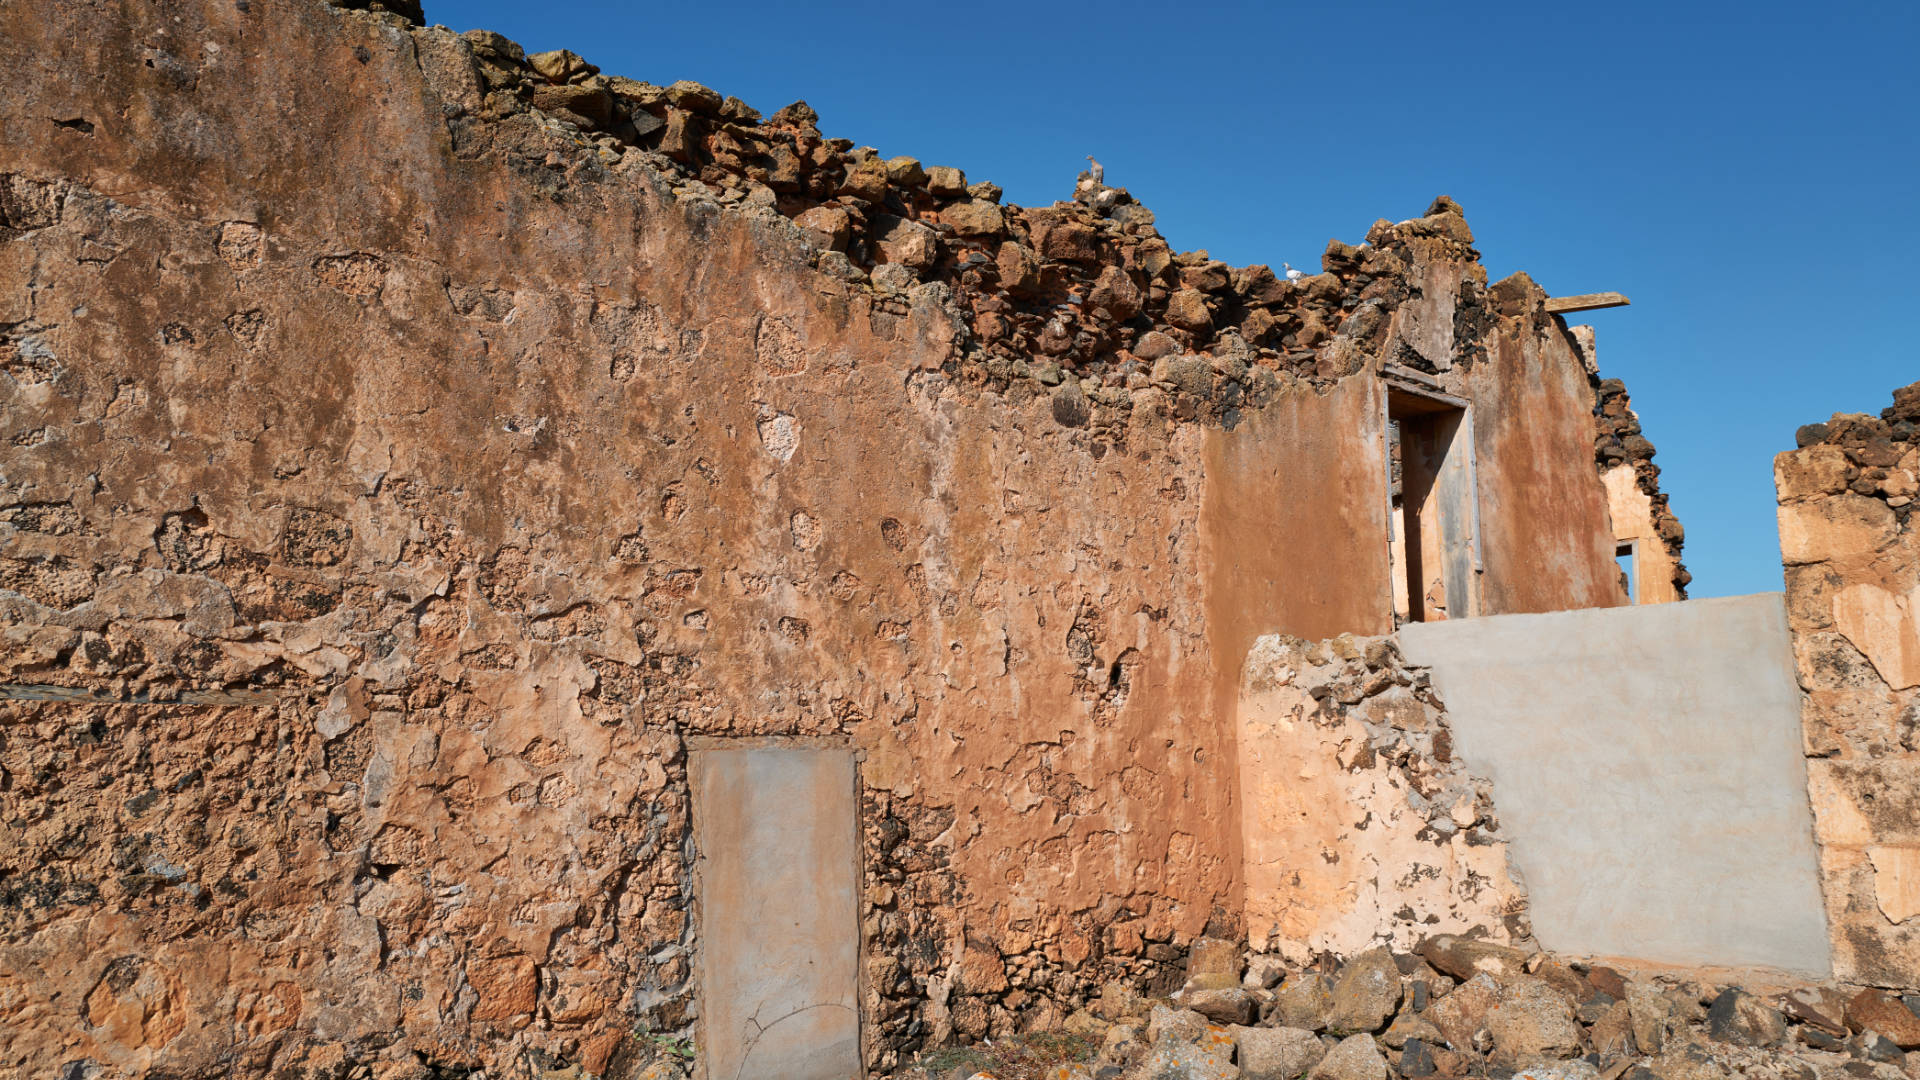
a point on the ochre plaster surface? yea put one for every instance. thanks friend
(468, 474)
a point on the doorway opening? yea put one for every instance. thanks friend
(1435, 513)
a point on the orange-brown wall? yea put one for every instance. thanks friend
(1546, 539)
(490, 477)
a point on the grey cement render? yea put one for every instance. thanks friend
(1647, 768)
(777, 881)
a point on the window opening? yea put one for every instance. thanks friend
(1628, 558)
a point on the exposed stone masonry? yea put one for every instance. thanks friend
(1875, 458)
(1852, 551)
(390, 493)
(1618, 441)
(1082, 300)
(1362, 826)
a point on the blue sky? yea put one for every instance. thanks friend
(1748, 173)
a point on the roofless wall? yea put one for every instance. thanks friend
(403, 468)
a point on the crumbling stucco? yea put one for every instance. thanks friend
(406, 454)
(1361, 827)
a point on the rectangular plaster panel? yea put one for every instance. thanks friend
(779, 923)
(1647, 768)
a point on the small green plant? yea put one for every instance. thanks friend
(664, 1045)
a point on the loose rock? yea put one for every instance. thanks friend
(1356, 1058)
(1276, 1053)
(1463, 958)
(1740, 1018)
(1366, 993)
(1533, 1022)
(1876, 1010)
(1304, 1001)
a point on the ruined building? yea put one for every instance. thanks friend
(506, 570)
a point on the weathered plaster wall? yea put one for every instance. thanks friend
(1544, 537)
(1641, 511)
(1361, 826)
(1853, 600)
(1296, 520)
(401, 477)
(1543, 534)
(1645, 763)
(1634, 520)
(493, 490)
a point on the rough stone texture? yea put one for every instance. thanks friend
(1462, 1015)
(1231, 1006)
(1275, 1053)
(1639, 509)
(1463, 958)
(410, 445)
(1359, 822)
(1366, 994)
(1818, 1006)
(1531, 1022)
(1872, 1010)
(1738, 1017)
(1653, 1016)
(1214, 964)
(1355, 1058)
(1853, 578)
(1303, 1000)
(1184, 1045)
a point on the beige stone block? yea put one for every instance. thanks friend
(1861, 802)
(1857, 715)
(1838, 821)
(1896, 881)
(1810, 596)
(1827, 660)
(1836, 528)
(1882, 624)
(1817, 470)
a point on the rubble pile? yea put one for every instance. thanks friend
(1462, 1006)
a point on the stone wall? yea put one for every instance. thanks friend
(410, 445)
(1641, 512)
(1853, 599)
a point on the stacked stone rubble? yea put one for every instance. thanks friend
(1618, 442)
(1463, 1006)
(1082, 301)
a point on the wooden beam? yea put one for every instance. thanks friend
(1560, 305)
